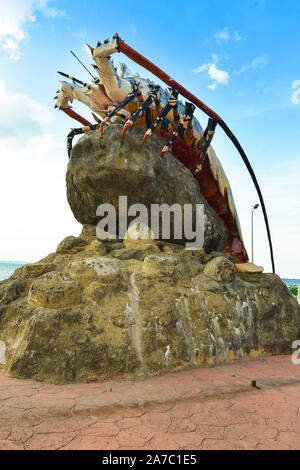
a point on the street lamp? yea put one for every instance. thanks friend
(252, 249)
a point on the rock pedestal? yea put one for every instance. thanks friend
(94, 310)
(134, 308)
(102, 169)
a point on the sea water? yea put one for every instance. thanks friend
(8, 267)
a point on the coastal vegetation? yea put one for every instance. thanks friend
(293, 290)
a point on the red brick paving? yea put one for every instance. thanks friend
(203, 408)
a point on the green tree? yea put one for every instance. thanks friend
(293, 290)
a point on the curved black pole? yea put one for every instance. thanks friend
(141, 60)
(252, 174)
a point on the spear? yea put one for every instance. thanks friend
(141, 60)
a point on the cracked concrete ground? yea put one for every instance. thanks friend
(203, 408)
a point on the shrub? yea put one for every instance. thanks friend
(293, 290)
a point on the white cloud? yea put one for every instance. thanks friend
(51, 12)
(220, 76)
(282, 199)
(202, 68)
(21, 114)
(260, 61)
(217, 75)
(296, 94)
(80, 34)
(15, 55)
(237, 37)
(15, 15)
(222, 36)
(35, 215)
(12, 45)
(225, 35)
(213, 86)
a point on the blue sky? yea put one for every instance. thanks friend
(240, 57)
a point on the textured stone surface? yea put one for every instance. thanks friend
(80, 315)
(220, 269)
(54, 290)
(138, 236)
(88, 233)
(249, 268)
(215, 408)
(70, 243)
(102, 169)
(140, 254)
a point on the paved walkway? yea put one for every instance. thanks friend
(203, 408)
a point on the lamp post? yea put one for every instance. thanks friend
(252, 248)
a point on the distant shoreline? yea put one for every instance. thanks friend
(8, 267)
(14, 262)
